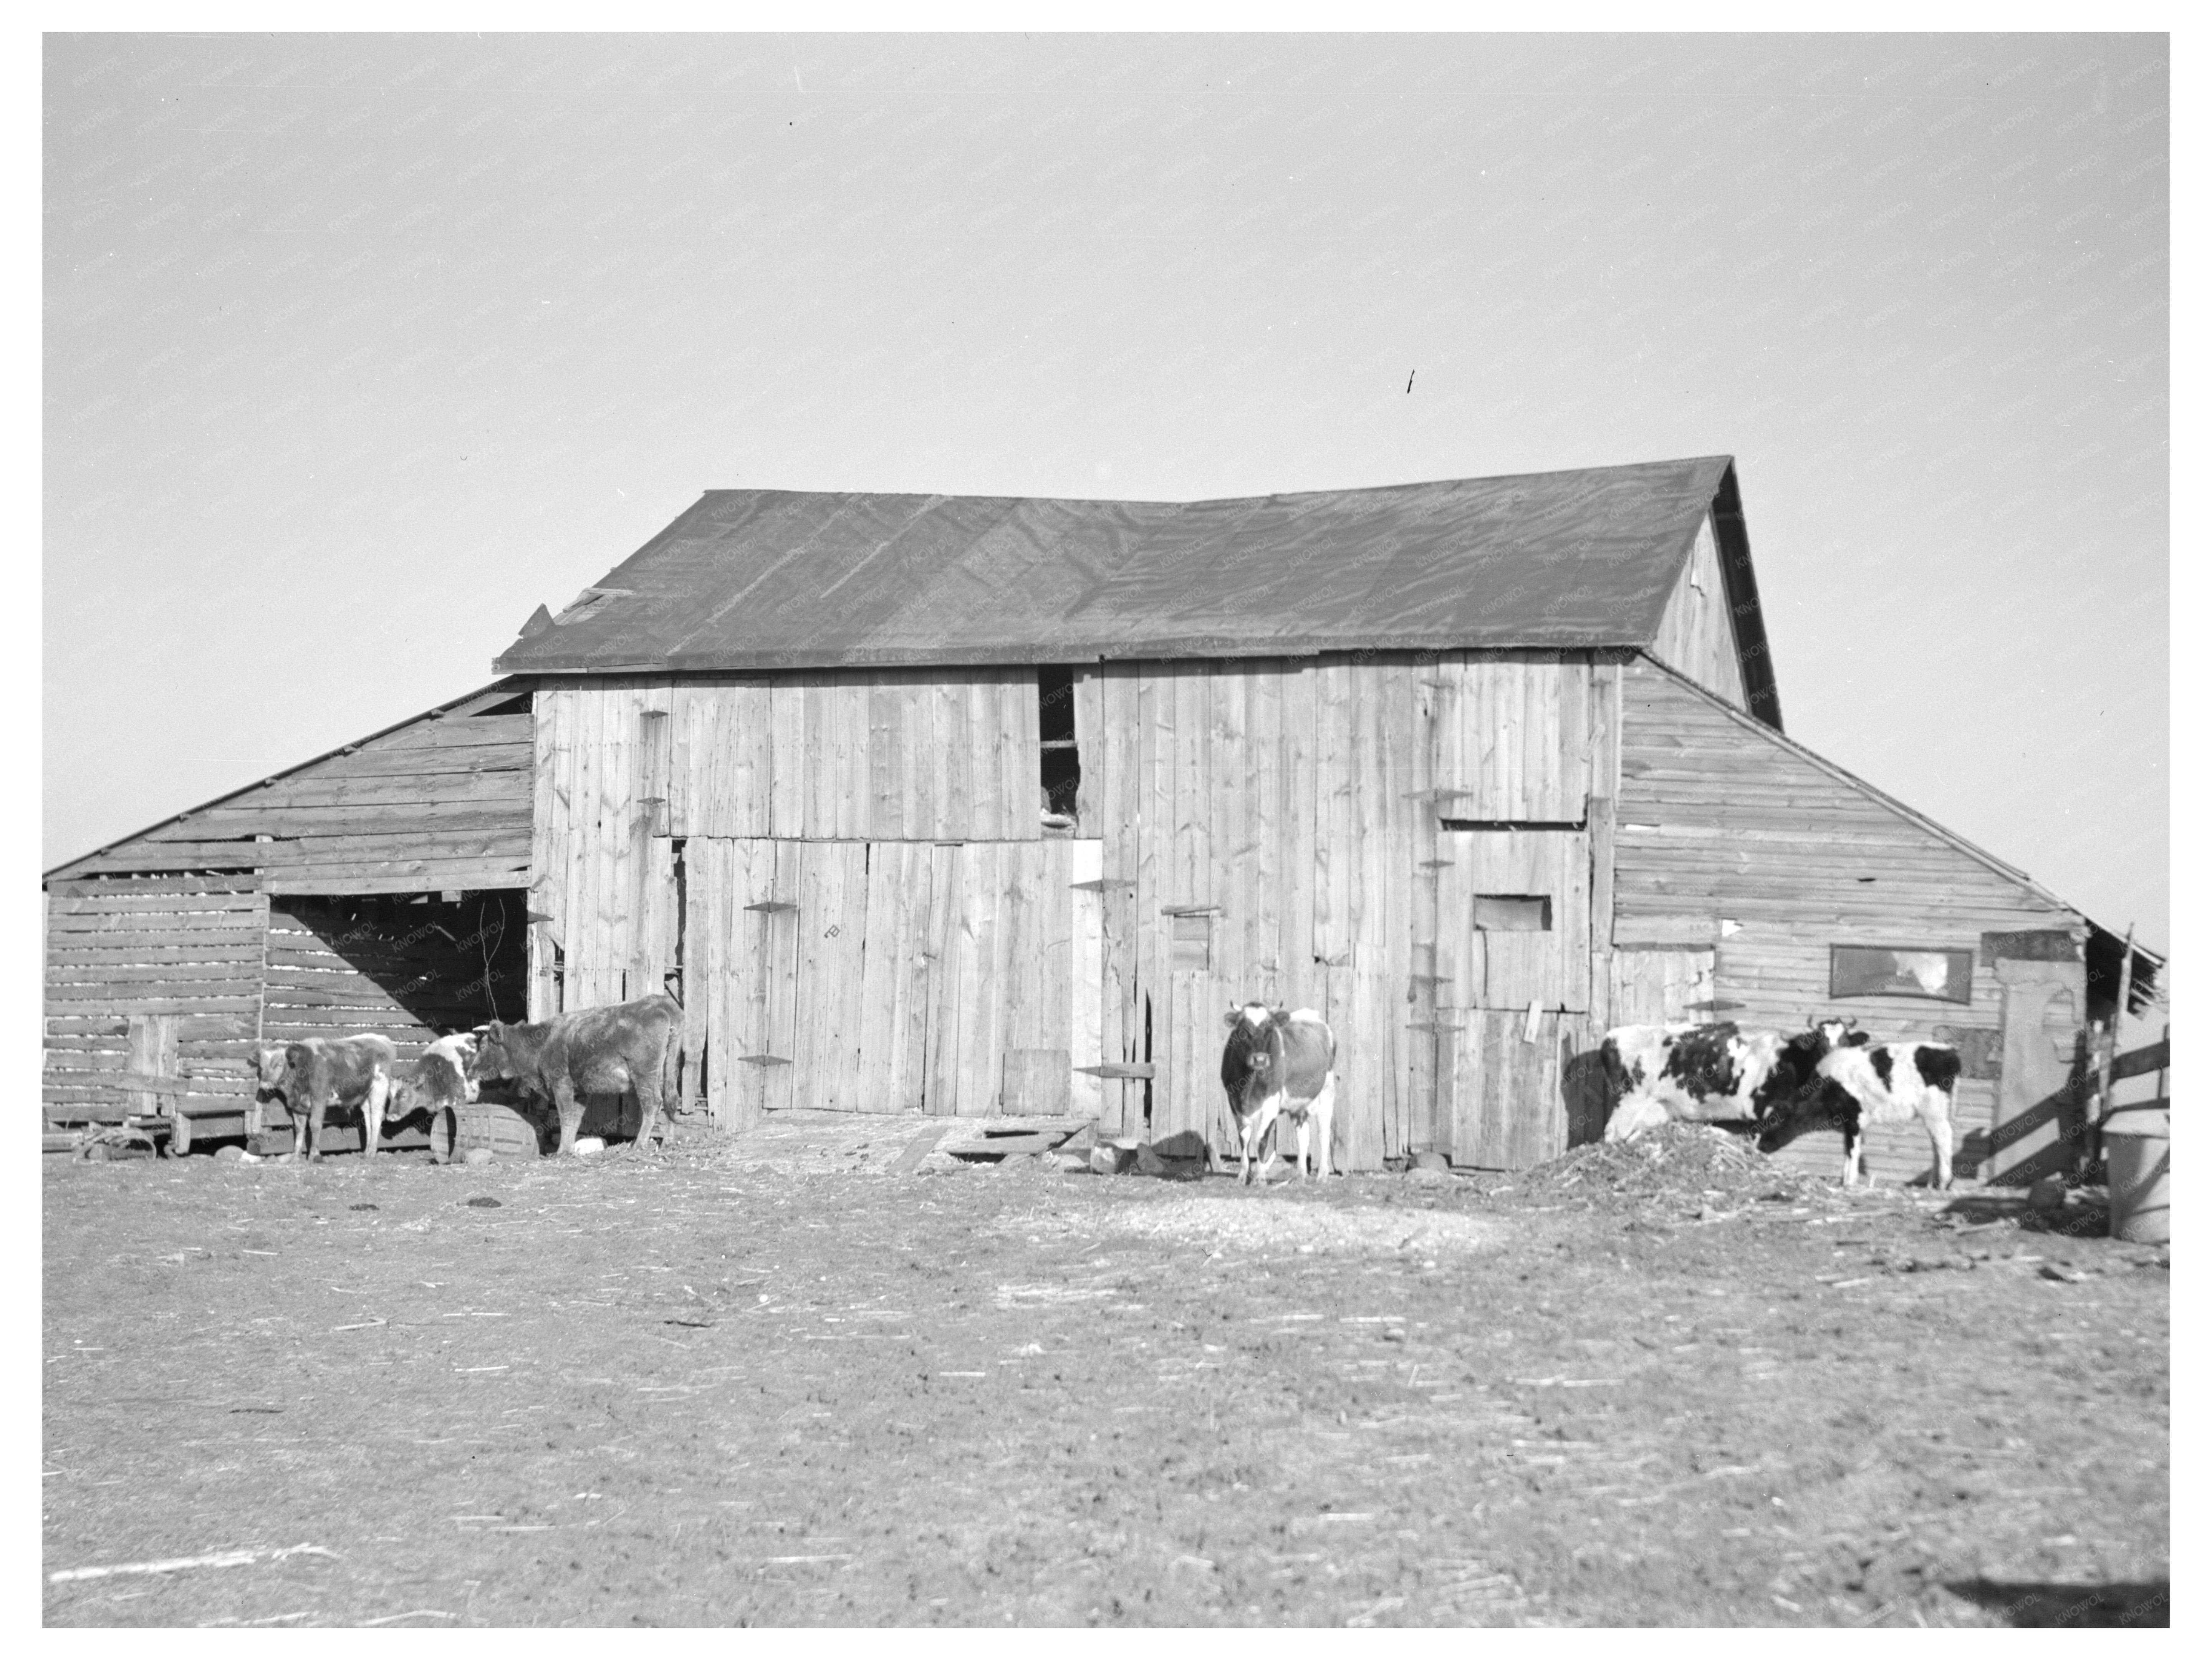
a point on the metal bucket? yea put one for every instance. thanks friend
(2137, 1155)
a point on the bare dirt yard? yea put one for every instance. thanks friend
(765, 1380)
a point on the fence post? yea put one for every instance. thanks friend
(2113, 1047)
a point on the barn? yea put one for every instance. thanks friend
(968, 805)
(378, 888)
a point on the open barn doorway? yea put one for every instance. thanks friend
(412, 966)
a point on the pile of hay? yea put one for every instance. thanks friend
(1690, 1163)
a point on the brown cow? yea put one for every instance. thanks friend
(322, 1072)
(626, 1046)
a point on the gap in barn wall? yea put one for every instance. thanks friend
(1059, 766)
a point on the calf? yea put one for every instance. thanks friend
(322, 1072)
(439, 1079)
(1279, 1061)
(1874, 1084)
(626, 1046)
(1705, 1073)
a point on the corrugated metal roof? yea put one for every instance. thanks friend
(789, 579)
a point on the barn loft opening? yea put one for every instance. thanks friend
(1060, 768)
(1513, 913)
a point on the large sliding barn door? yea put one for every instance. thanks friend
(886, 976)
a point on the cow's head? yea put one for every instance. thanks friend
(490, 1055)
(1249, 1058)
(271, 1064)
(1839, 1032)
(1818, 1105)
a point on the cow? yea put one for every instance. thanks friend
(321, 1073)
(440, 1079)
(1867, 1084)
(1279, 1062)
(1707, 1074)
(625, 1046)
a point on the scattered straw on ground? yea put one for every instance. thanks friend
(1279, 1229)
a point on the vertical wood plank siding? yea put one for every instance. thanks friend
(1697, 633)
(1721, 820)
(1265, 829)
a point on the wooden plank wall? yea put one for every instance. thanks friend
(412, 972)
(1721, 820)
(441, 803)
(627, 764)
(884, 754)
(1697, 633)
(189, 948)
(1270, 831)
(883, 976)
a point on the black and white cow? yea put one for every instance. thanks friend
(1706, 1073)
(438, 1080)
(1874, 1084)
(1279, 1062)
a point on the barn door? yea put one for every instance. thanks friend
(887, 977)
(1512, 989)
(1002, 979)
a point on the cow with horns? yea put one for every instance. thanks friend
(622, 1048)
(1279, 1063)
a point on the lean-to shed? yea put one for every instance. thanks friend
(378, 888)
(971, 805)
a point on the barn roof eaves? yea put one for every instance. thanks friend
(505, 686)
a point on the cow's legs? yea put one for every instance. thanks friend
(372, 1111)
(1852, 1144)
(1938, 1115)
(1255, 1130)
(571, 1110)
(299, 1129)
(649, 1127)
(1322, 1114)
(316, 1112)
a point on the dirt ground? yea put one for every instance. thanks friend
(763, 1380)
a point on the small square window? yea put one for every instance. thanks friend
(1899, 972)
(1513, 913)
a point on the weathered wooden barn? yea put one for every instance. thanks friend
(971, 805)
(379, 888)
(1476, 768)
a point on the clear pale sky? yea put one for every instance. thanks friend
(357, 348)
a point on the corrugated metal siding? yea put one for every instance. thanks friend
(1720, 820)
(781, 579)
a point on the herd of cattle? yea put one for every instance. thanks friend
(628, 1047)
(1278, 1064)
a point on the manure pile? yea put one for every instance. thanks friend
(1676, 1162)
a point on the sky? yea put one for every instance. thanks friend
(357, 348)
